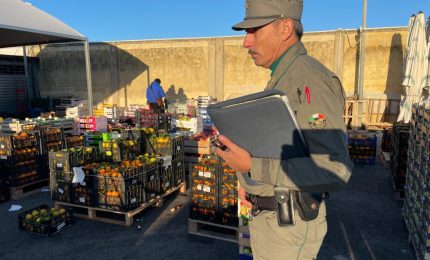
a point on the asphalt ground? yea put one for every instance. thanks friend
(364, 222)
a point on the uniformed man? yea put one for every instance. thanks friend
(273, 39)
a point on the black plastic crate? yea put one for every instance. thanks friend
(166, 176)
(152, 189)
(228, 218)
(121, 201)
(61, 186)
(204, 214)
(47, 224)
(151, 172)
(23, 177)
(178, 175)
(84, 193)
(200, 199)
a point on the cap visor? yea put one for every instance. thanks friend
(251, 23)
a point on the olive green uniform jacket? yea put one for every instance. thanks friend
(317, 98)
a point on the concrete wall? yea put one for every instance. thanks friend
(211, 66)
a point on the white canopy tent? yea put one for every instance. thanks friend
(415, 66)
(22, 24)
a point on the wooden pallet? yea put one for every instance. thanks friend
(118, 217)
(20, 192)
(213, 230)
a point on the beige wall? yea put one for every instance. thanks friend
(216, 66)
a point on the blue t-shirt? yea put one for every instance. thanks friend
(154, 92)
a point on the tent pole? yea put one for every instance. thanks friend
(89, 80)
(27, 79)
(361, 65)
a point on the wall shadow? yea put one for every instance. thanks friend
(179, 96)
(62, 71)
(357, 60)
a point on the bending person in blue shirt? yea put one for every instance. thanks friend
(154, 97)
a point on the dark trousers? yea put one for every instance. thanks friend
(155, 108)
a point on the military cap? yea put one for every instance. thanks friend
(262, 12)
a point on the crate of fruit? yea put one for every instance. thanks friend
(122, 201)
(17, 141)
(45, 220)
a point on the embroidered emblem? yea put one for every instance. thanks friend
(317, 122)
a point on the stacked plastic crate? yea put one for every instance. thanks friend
(214, 192)
(172, 169)
(122, 187)
(228, 195)
(416, 208)
(362, 148)
(92, 123)
(399, 155)
(204, 189)
(19, 158)
(64, 187)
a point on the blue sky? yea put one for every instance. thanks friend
(110, 20)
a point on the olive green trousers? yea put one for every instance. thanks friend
(300, 241)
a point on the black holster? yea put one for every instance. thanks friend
(308, 204)
(285, 206)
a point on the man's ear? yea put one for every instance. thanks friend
(287, 27)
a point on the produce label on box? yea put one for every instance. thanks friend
(207, 189)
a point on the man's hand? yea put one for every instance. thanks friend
(242, 195)
(236, 157)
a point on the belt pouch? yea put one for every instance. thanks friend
(285, 207)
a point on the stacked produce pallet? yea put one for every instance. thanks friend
(93, 139)
(19, 162)
(416, 207)
(158, 121)
(399, 157)
(63, 184)
(118, 150)
(228, 195)
(71, 107)
(204, 189)
(213, 208)
(51, 139)
(73, 141)
(362, 148)
(192, 124)
(113, 112)
(92, 123)
(172, 169)
(202, 104)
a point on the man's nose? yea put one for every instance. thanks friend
(248, 41)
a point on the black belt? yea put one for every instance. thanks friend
(265, 203)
